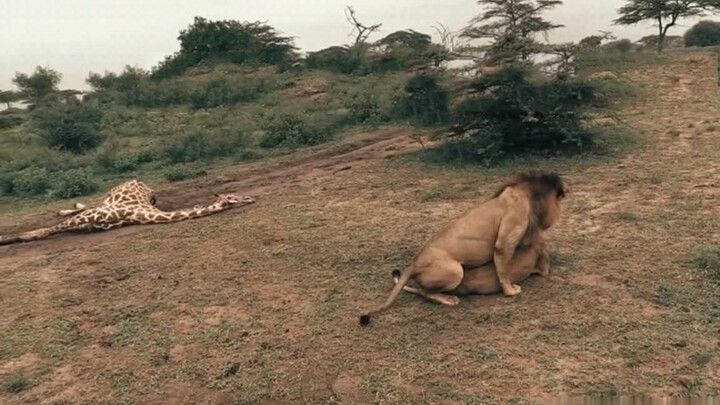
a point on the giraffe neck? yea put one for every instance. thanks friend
(182, 215)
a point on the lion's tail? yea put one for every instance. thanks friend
(404, 278)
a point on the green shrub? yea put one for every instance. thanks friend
(289, 130)
(364, 108)
(227, 40)
(426, 101)
(73, 183)
(69, 127)
(704, 33)
(183, 172)
(11, 120)
(341, 59)
(223, 91)
(31, 181)
(205, 145)
(506, 114)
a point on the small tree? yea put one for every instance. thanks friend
(665, 13)
(360, 31)
(229, 40)
(704, 33)
(35, 87)
(511, 26)
(7, 97)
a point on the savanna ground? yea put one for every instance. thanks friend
(260, 304)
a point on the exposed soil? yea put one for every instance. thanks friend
(260, 304)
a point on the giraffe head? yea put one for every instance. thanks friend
(229, 200)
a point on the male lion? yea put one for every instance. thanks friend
(489, 233)
(528, 260)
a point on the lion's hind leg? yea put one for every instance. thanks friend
(442, 277)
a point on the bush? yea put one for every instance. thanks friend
(222, 91)
(704, 33)
(346, 60)
(69, 128)
(31, 181)
(364, 108)
(289, 130)
(183, 172)
(229, 40)
(11, 120)
(123, 162)
(205, 145)
(425, 101)
(73, 183)
(507, 114)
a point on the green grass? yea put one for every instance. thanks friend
(17, 383)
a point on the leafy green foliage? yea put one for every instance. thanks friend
(205, 145)
(35, 87)
(181, 172)
(11, 119)
(73, 183)
(704, 33)
(229, 40)
(666, 13)
(133, 87)
(511, 26)
(28, 182)
(290, 130)
(505, 113)
(69, 127)
(426, 101)
(341, 59)
(7, 97)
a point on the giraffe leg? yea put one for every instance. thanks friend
(79, 207)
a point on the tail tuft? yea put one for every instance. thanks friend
(364, 319)
(396, 274)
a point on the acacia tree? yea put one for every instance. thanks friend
(665, 13)
(8, 96)
(41, 83)
(511, 26)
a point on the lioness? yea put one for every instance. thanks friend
(488, 233)
(528, 260)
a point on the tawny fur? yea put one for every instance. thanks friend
(130, 203)
(488, 234)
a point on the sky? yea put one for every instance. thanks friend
(76, 37)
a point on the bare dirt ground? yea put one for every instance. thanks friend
(260, 304)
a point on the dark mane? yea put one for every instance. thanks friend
(539, 186)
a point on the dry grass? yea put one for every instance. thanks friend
(260, 305)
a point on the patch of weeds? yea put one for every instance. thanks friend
(379, 385)
(706, 259)
(483, 354)
(181, 172)
(579, 207)
(701, 358)
(122, 382)
(441, 193)
(560, 259)
(665, 296)
(627, 216)
(691, 387)
(230, 368)
(17, 383)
